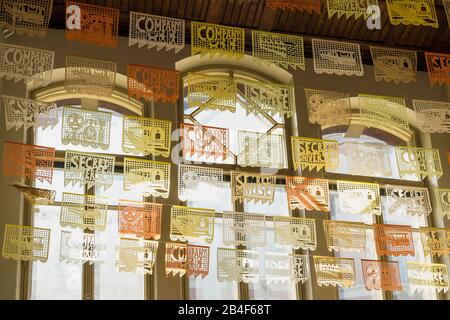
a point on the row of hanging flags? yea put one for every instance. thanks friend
(99, 25)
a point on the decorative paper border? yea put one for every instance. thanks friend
(394, 240)
(308, 194)
(310, 153)
(136, 255)
(26, 243)
(427, 277)
(393, 65)
(345, 236)
(402, 12)
(328, 107)
(433, 116)
(235, 265)
(242, 228)
(359, 198)
(435, 241)
(83, 211)
(140, 219)
(191, 224)
(198, 183)
(334, 271)
(300, 233)
(381, 275)
(252, 187)
(408, 200)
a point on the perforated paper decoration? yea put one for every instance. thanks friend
(433, 116)
(252, 187)
(156, 31)
(299, 268)
(198, 183)
(246, 229)
(83, 211)
(90, 76)
(345, 236)
(136, 255)
(77, 247)
(153, 84)
(334, 271)
(279, 49)
(367, 159)
(187, 259)
(301, 5)
(308, 194)
(334, 57)
(204, 141)
(191, 224)
(277, 267)
(140, 219)
(393, 65)
(431, 277)
(146, 136)
(89, 169)
(350, 8)
(415, 12)
(381, 275)
(28, 161)
(309, 153)
(418, 162)
(152, 178)
(438, 65)
(359, 198)
(234, 265)
(403, 200)
(383, 111)
(443, 199)
(92, 24)
(300, 233)
(328, 107)
(24, 63)
(28, 113)
(36, 196)
(87, 128)
(266, 98)
(26, 243)
(447, 10)
(213, 39)
(394, 240)
(30, 17)
(435, 241)
(264, 150)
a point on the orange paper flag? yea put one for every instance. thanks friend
(438, 65)
(394, 240)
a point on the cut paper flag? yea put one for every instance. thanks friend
(92, 24)
(418, 162)
(438, 65)
(443, 199)
(335, 57)
(36, 196)
(136, 255)
(198, 183)
(381, 275)
(89, 169)
(252, 187)
(337, 272)
(85, 212)
(191, 224)
(153, 84)
(427, 277)
(33, 66)
(415, 12)
(28, 161)
(213, 39)
(187, 259)
(308, 194)
(409, 201)
(350, 8)
(435, 241)
(280, 268)
(393, 65)
(264, 150)
(78, 247)
(299, 268)
(156, 31)
(208, 92)
(140, 219)
(146, 136)
(90, 76)
(87, 128)
(26, 243)
(204, 141)
(27, 113)
(367, 159)
(235, 265)
(151, 178)
(394, 240)
(359, 198)
(30, 17)
(345, 236)
(309, 153)
(246, 229)
(300, 5)
(299, 233)
(433, 116)
(279, 49)
(328, 108)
